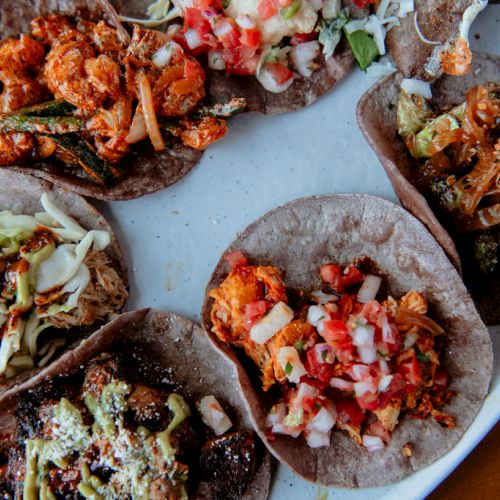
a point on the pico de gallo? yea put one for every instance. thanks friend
(278, 41)
(347, 355)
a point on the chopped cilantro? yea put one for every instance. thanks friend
(382, 353)
(288, 368)
(300, 346)
(423, 358)
(324, 354)
(317, 406)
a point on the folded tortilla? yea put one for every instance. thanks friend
(376, 115)
(300, 236)
(164, 341)
(21, 194)
(144, 170)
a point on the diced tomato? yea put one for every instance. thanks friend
(206, 4)
(397, 385)
(333, 311)
(227, 33)
(349, 412)
(363, 4)
(303, 37)
(368, 401)
(253, 312)
(330, 273)
(283, 3)
(193, 72)
(411, 370)
(334, 331)
(194, 19)
(315, 382)
(321, 371)
(236, 258)
(371, 312)
(279, 72)
(309, 404)
(351, 276)
(441, 380)
(266, 9)
(250, 38)
(346, 306)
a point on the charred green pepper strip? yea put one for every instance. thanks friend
(86, 157)
(41, 124)
(58, 107)
(231, 108)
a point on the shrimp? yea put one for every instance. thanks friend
(200, 134)
(177, 87)
(110, 129)
(106, 40)
(18, 92)
(16, 146)
(21, 56)
(76, 75)
(50, 28)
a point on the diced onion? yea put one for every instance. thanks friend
(193, 39)
(316, 4)
(324, 420)
(163, 55)
(215, 60)
(382, 8)
(270, 324)
(314, 314)
(289, 360)
(374, 27)
(360, 371)
(361, 388)
(213, 415)
(355, 25)
(372, 443)
(302, 56)
(340, 383)
(417, 87)
(367, 353)
(137, 131)
(269, 83)
(287, 431)
(363, 335)
(410, 339)
(384, 383)
(276, 415)
(306, 391)
(222, 28)
(324, 353)
(245, 22)
(384, 367)
(316, 439)
(380, 68)
(146, 101)
(323, 298)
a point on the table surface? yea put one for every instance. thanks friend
(477, 476)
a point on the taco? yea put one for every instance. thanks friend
(282, 55)
(358, 366)
(423, 180)
(62, 274)
(95, 109)
(154, 412)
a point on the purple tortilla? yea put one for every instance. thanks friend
(21, 194)
(169, 342)
(144, 170)
(376, 115)
(300, 236)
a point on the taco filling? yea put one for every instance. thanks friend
(82, 94)
(54, 275)
(104, 433)
(345, 355)
(457, 156)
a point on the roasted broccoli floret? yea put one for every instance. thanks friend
(444, 191)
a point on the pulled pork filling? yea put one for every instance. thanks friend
(346, 356)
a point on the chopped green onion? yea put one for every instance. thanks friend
(288, 12)
(288, 368)
(423, 358)
(299, 345)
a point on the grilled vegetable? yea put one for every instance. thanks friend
(41, 124)
(58, 107)
(83, 154)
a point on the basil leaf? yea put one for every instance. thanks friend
(363, 47)
(288, 368)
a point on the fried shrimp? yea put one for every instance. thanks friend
(18, 92)
(15, 146)
(76, 75)
(50, 28)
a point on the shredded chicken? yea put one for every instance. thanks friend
(102, 299)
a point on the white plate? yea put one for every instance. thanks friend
(173, 239)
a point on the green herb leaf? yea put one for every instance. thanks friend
(324, 354)
(382, 353)
(226, 4)
(423, 358)
(288, 12)
(363, 46)
(300, 346)
(317, 406)
(330, 31)
(288, 368)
